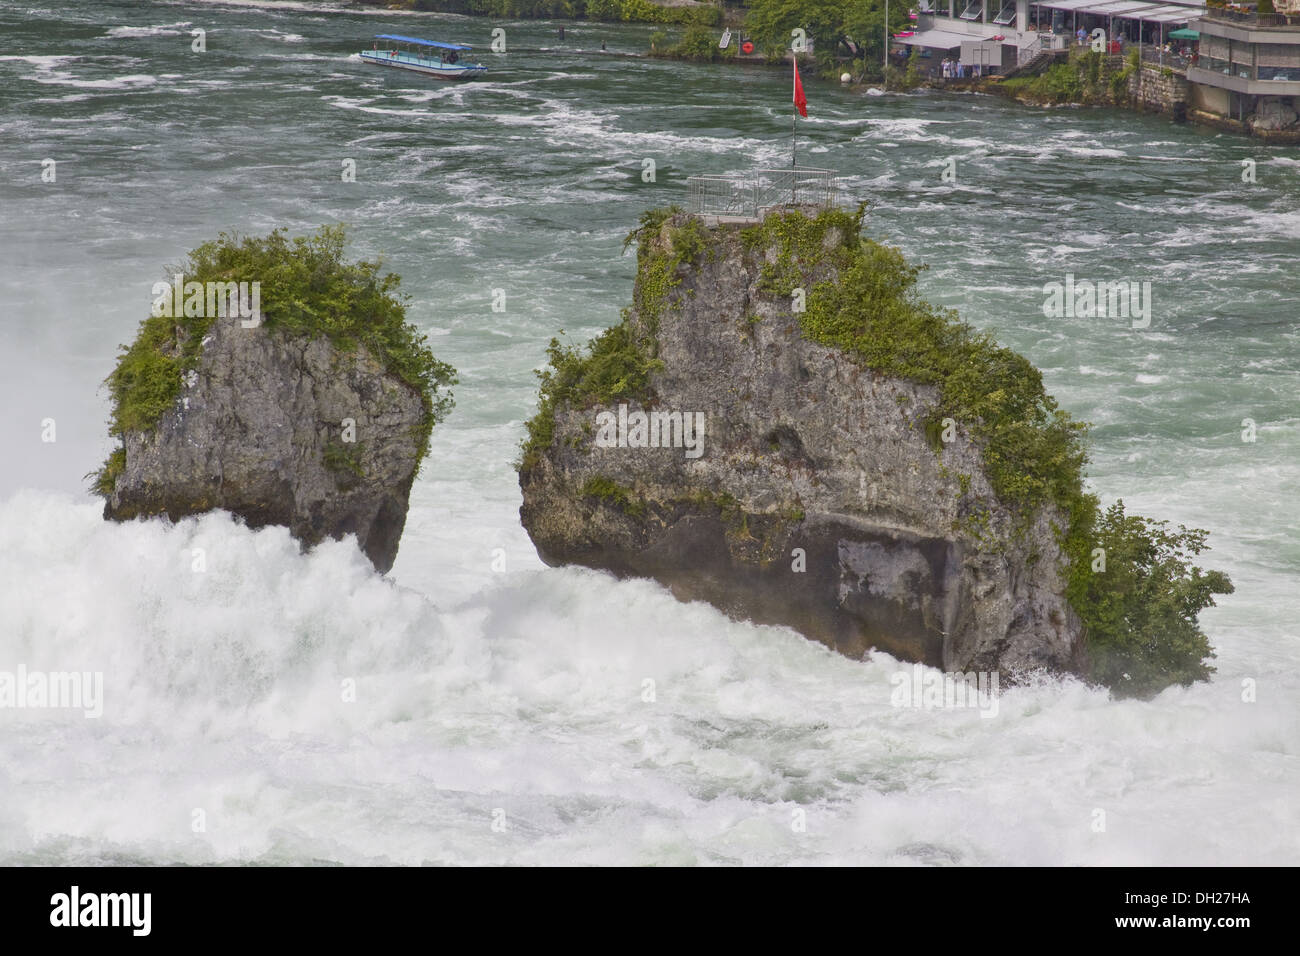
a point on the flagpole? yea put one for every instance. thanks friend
(794, 109)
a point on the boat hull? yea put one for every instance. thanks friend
(423, 65)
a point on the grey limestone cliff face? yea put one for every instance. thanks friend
(261, 429)
(816, 500)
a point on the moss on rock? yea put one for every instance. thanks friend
(617, 364)
(307, 290)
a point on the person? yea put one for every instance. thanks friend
(1082, 35)
(943, 68)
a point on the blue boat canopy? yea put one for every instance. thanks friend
(441, 46)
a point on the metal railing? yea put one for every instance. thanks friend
(1156, 56)
(1042, 43)
(721, 196)
(752, 196)
(1029, 51)
(1287, 21)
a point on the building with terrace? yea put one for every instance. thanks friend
(1006, 33)
(1249, 65)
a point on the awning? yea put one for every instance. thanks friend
(1068, 5)
(938, 39)
(1177, 15)
(1061, 5)
(1129, 9)
(1123, 8)
(419, 42)
(1172, 13)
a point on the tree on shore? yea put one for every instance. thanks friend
(829, 23)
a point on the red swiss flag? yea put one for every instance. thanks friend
(800, 101)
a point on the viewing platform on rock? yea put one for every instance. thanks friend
(748, 198)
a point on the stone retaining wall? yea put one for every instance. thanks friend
(1159, 89)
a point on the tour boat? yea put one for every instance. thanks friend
(430, 57)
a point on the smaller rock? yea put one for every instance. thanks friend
(314, 417)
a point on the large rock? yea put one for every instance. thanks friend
(1273, 114)
(259, 430)
(818, 501)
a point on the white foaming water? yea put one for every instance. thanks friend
(165, 30)
(224, 692)
(133, 81)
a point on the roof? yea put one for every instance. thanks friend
(441, 46)
(938, 39)
(1152, 12)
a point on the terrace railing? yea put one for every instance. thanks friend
(1286, 20)
(752, 196)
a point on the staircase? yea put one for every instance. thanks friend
(1038, 63)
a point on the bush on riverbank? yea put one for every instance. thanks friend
(638, 11)
(1088, 78)
(699, 44)
(829, 23)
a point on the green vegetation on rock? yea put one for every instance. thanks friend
(344, 458)
(307, 290)
(1141, 603)
(863, 301)
(606, 489)
(616, 365)
(613, 367)
(105, 480)
(656, 268)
